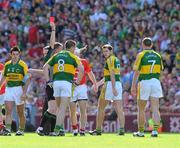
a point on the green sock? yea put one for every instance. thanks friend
(98, 129)
(155, 127)
(21, 129)
(59, 128)
(8, 126)
(121, 129)
(141, 129)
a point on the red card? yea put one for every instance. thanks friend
(51, 19)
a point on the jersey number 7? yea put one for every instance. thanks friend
(152, 65)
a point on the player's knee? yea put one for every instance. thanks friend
(83, 111)
(100, 110)
(141, 111)
(155, 111)
(121, 110)
(8, 112)
(20, 112)
(72, 109)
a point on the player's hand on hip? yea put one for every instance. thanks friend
(115, 93)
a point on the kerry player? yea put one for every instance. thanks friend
(147, 69)
(16, 75)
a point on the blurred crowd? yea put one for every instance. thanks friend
(122, 23)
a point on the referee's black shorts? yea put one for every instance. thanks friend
(49, 93)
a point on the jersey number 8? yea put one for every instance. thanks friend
(61, 65)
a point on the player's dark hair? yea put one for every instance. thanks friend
(107, 46)
(147, 42)
(15, 48)
(69, 44)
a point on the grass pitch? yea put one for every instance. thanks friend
(32, 140)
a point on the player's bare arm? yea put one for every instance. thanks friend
(112, 76)
(133, 87)
(93, 80)
(2, 81)
(53, 34)
(25, 87)
(80, 74)
(36, 71)
(46, 68)
(83, 48)
(101, 82)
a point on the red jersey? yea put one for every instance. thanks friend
(13, 40)
(32, 37)
(2, 90)
(87, 69)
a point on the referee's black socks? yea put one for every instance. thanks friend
(48, 117)
(53, 122)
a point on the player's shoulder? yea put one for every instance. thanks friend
(109, 58)
(116, 58)
(73, 56)
(54, 55)
(158, 54)
(22, 63)
(141, 54)
(84, 60)
(70, 53)
(7, 63)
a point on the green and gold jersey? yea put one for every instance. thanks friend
(64, 65)
(177, 59)
(14, 73)
(112, 63)
(149, 64)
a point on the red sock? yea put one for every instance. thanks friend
(82, 130)
(2, 126)
(74, 127)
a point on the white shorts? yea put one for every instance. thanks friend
(14, 94)
(109, 93)
(2, 99)
(149, 88)
(80, 93)
(62, 89)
